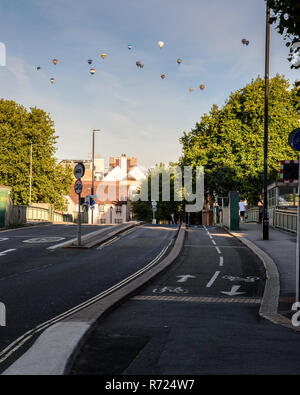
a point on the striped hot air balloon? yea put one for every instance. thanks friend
(92, 71)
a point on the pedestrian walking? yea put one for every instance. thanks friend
(242, 209)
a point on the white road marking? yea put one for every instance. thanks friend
(18, 343)
(233, 291)
(3, 238)
(39, 240)
(221, 261)
(214, 243)
(109, 242)
(3, 253)
(213, 279)
(218, 250)
(183, 278)
(210, 236)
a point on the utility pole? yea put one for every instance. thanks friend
(30, 175)
(265, 224)
(93, 168)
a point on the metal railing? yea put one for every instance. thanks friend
(252, 214)
(19, 215)
(285, 219)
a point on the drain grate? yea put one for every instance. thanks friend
(196, 299)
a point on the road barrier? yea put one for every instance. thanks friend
(20, 215)
(282, 218)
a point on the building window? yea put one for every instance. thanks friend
(118, 209)
(103, 221)
(101, 209)
(118, 221)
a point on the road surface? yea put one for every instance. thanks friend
(199, 317)
(38, 284)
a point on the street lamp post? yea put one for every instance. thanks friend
(30, 175)
(265, 224)
(93, 167)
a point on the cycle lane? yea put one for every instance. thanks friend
(179, 325)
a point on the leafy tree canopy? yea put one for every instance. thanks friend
(143, 210)
(286, 14)
(228, 141)
(18, 129)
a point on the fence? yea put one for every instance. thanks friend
(18, 215)
(285, 219)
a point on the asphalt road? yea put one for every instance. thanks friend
(199, 317)
(37, 284)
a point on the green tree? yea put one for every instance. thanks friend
(228, 141)
(143, 210)
(18, 129)
(286, 14)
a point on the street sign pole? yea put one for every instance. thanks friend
(294, 142)
(265, 221)
(154, 209)
(79, 171)
(79, 222)
(298, 243)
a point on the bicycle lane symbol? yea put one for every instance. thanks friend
(166, 289)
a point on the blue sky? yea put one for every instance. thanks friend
(138, 113)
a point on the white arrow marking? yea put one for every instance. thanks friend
(3, 253)
(184, 278)
(233, 291)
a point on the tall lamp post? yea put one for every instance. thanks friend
(265, 225)
(93, 167)
(30, 175)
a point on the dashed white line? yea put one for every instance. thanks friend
(218, 250)
(214, 243)
(221, 261)
(213, 279)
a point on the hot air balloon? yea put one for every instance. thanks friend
(103, 55)
(138, 63)
(163, 76)
(52, 80)
(160, 44)
(244, 41)
(179, 61)
(130, 46)
(55, 61)
(38, 68)
(90, 61)
(202, 87)
(92, 71)
(191, 89)
(247, 42)
(141, 66)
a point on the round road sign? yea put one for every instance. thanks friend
(79, 171)
(294, 139)
(78, 187)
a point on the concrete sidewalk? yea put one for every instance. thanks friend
(281, 247)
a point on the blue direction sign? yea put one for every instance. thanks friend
(294, 139)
